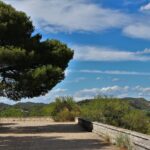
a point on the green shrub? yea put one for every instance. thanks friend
(65, 109)
(12, 112)
(105, 110)
(123, 141)
(136, 120)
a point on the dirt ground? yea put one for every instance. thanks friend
(33, 135)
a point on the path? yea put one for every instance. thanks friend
(48, 136)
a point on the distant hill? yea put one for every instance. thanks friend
(30, 108)
(22, 105)
(28, 105)
(139, 103)
(86, 101)
(4, 105)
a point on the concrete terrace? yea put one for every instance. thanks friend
(46, 135)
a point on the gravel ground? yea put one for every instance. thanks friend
(40, 135)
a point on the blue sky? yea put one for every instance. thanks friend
(111, 41)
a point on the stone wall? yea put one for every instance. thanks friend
(10, 120)
(138, 141)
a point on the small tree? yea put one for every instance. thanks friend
(65, 109)
(29, 67)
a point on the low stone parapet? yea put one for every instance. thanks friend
(138, 141)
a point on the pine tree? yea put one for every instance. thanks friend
(29, 67)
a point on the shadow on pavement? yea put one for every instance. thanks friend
(55, 136)
(49, 143)
(57, 128)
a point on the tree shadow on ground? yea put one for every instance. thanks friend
(51, 128)
(55, 136)
(49, 143)
(7, 124)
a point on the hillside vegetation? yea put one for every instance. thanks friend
(130, 113)
(118, 112)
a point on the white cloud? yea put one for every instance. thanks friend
(140, 25)
(80, 79)
(49, 97)
(115, 91)
(115, 79)
(116, 72)
(142, 91)
(76, 80)
(70, 15)
(82, 16)
(138, 30)
(145, 51)
(98, 78)
(145, 7)
(41, 99)
(6, 100)
(58, 90)
(89, 53)
(112, 89)
(109, 91)
(67, 72)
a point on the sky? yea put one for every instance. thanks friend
(110, 39)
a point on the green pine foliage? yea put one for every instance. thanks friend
(29, 66)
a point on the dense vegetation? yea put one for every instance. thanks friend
(29, 66)
(118, 112)
(133, 114)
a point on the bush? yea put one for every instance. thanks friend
(105, 110)
(12, 112)
(123, 142)
(65, 109)
(136, 120)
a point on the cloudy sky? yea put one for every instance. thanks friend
(111, 41)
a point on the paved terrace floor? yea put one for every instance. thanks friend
(48, 136)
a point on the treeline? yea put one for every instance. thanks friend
(26, 110)
(133, 114)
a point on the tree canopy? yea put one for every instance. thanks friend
(29, 66)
